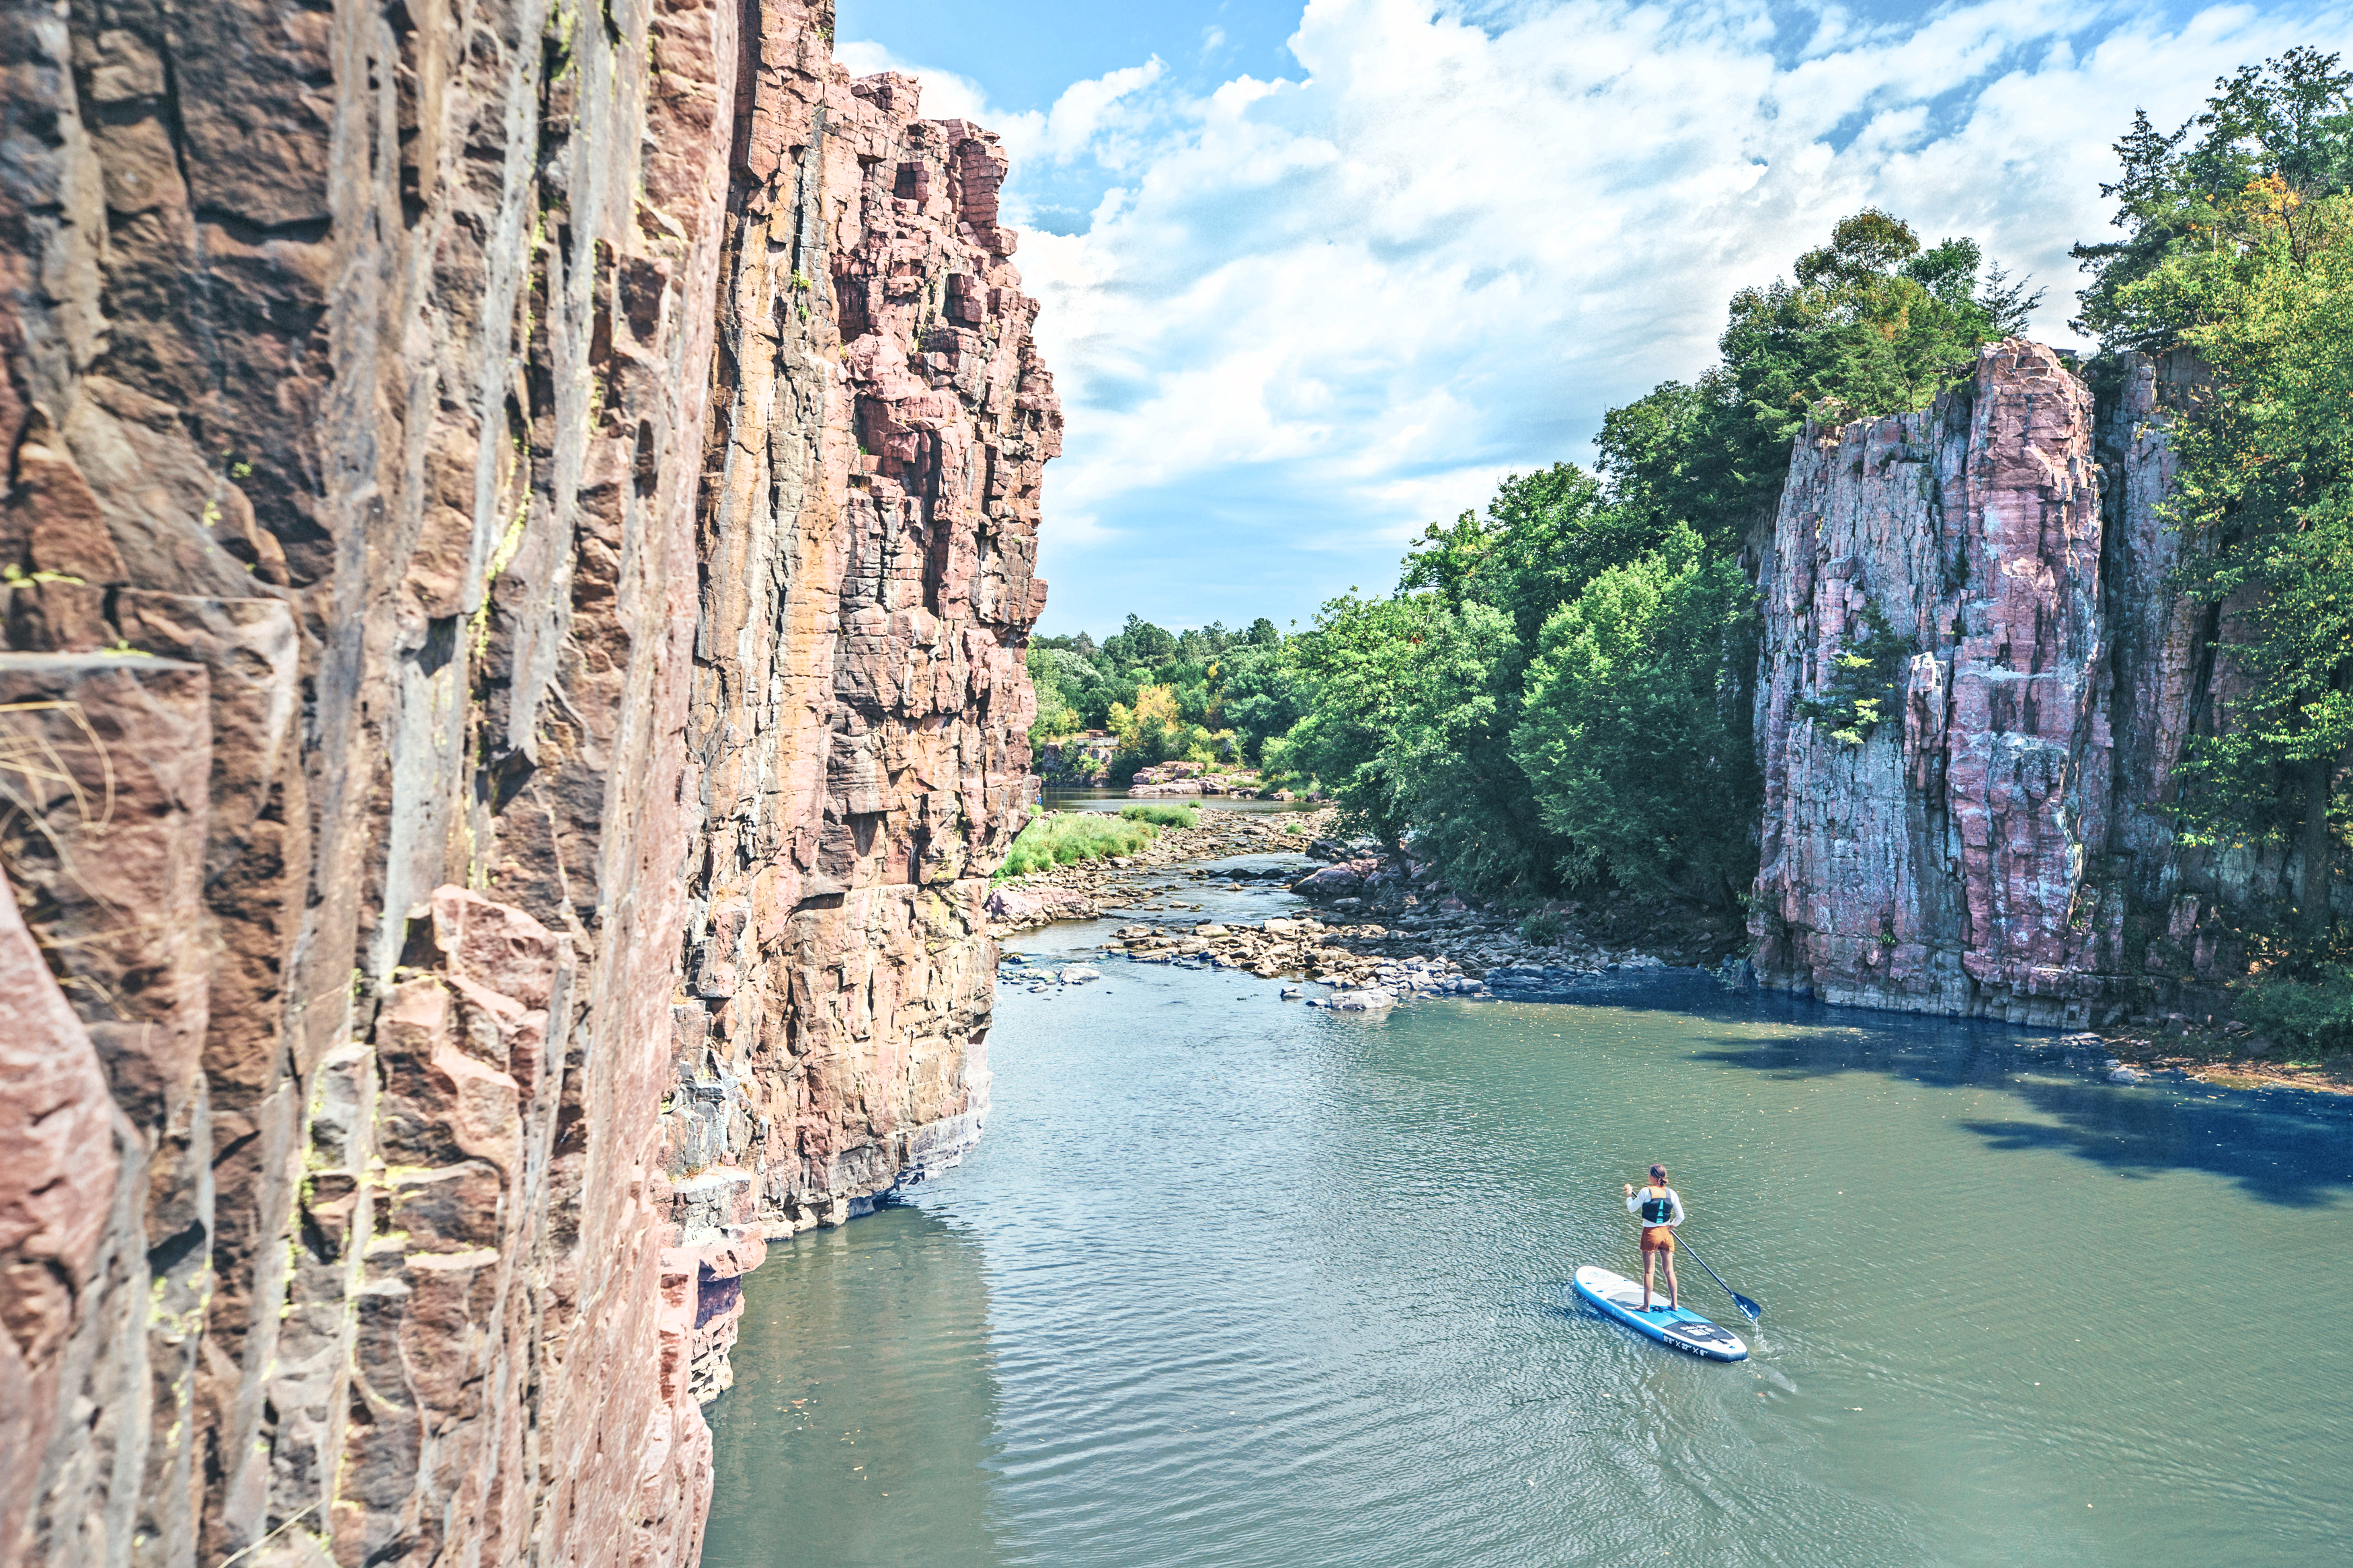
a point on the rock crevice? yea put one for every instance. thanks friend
(516, 557)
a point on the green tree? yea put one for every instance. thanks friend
(1409, 732)
(1635, 736)
(2239, 246)
(2264, 496)
(1869, 324)
(1263, 694)
(1140, 644)
(2281, 132)
(1057, 715)
(1543, 535)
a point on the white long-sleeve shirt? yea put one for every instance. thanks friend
(1675, 1214)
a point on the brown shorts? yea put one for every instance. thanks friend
(1658, 1238)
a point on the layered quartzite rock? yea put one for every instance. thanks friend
(873, 492)
(1998, 844)
(461, 701)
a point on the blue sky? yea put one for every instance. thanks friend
(1315, 275)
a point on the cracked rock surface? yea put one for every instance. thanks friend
(1998, 845)
(514, 578)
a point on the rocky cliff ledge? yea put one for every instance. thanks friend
(517, 547)
(1996, 569)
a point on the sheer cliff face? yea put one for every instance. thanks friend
(861, 705)
(518, 540)
(1998, 845)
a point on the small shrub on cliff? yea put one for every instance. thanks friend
(1067, 838)
(1865, 686)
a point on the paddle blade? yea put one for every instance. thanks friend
(1754, 1311)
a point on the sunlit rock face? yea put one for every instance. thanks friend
(1998, 844)
(860, 709)
(516, 559)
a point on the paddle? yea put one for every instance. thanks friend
(1754, 1311)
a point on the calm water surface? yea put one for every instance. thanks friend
(1234, 1282)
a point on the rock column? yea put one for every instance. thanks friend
(1998, 843)
(513, 572)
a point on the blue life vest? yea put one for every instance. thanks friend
(1657, 1211)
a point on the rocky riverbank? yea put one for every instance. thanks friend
(1084, 891)
(1425, 941)
(1384, 931)
(2232, 1056)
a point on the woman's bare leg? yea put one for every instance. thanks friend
(1674, 1291)
(1650, 1264)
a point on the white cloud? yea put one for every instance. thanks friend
(1308, 315)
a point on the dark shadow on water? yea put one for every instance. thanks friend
(858, 1429)
(2289, 1147)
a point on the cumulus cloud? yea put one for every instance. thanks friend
(1304, 316)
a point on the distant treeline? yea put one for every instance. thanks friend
(1557, 690)
(1205, 695)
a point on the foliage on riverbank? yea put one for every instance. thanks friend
(1204, 695)
(2311, 1020)
(1068, 837)
(2240, 246)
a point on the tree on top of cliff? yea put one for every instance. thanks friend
(2274, 141)
(1870, 323)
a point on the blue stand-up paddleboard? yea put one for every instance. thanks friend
(1678, 1328)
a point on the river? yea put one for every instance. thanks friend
(1231, 1281)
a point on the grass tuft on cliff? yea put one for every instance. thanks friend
(1067, 838)
(1162, 816)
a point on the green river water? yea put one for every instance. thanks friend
(1230, 1281)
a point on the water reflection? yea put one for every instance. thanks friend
(860, 1427)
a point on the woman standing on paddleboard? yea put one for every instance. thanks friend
(1661, 1209)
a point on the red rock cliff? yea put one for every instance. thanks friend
(1999, 846)
(517, 547)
